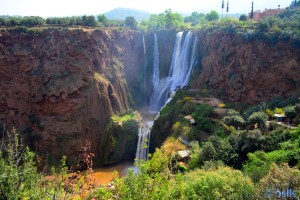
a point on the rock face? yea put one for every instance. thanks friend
(247, 71)
(59, 87)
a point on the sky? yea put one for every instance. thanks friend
(59, 8)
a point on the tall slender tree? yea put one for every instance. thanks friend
(223, 6)
(251, 14)
(227, 8)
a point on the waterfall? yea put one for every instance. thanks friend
(155, 74)
(143, 141)
(145, 65)
(183, 60)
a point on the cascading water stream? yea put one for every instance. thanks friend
(155, 74)
(145, 65)
(145, 129)
(183, 60)
(143, 141)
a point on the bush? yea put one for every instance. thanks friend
(290, 112)
(243, 17)
(263, 25)
(201, 116)
(218, 149)
(19, 177)
(223, 183)
(257, 166)
(213, 15)
(234, 119)
(259, 118)
(171, 146)
(131, 22)
(280, 177)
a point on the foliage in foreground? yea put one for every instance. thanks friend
(20, 179)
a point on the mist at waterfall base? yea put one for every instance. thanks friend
(184, 59)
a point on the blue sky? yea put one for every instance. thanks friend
(46, 8)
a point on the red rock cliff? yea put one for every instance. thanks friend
(60, 87)
(247, 71)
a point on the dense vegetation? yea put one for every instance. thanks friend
(236, 155)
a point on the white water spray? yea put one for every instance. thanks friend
(183, 60)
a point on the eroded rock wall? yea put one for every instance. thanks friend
(243, 70)
(59, 87)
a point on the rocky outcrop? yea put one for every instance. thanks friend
(59, 87)
(244, 69)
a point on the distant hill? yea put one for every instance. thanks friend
(122, 13)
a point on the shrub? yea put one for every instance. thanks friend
(201, 116)
(218, 149)
(223, 183)
(171, 146)
(257, 166)
(263, 25)
(234, 119)
(259, 118)
(19, 177)
(213, 15)
(290, 112)
(243, 17)
(278, 111)
(280, 177)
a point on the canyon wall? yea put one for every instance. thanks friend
(59, 87)
(245, 68)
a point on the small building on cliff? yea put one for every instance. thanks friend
(257, 15)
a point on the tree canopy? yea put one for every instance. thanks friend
(131, 22)
(102, 19)
(213, 15)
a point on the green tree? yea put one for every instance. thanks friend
(18, 174)
(3, 21)
(259, 118)
(223, 183)
(32, 21)
(131, 22)
(263, 25)
(102, 19)
(290, 112)
(234, 119)
(157, 21)
(116, 22)
(89, 20)
(218, 149)
(279, 177)
(14, 21)
(243, 17)
(257, 166)
(194, 18)
(172, 20)
(201, 116)
(213, 15)
(150, 183)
